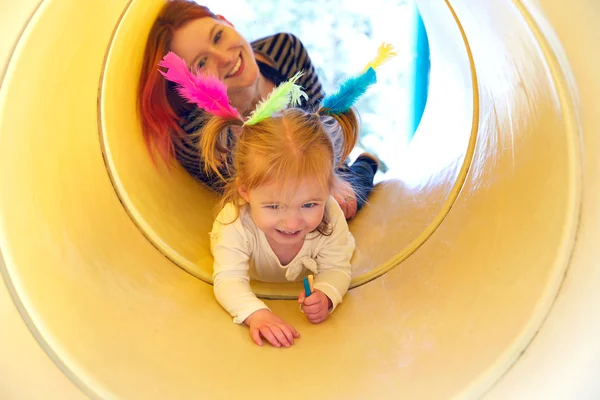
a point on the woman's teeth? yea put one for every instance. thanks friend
(236, 67)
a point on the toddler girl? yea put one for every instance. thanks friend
(278, 220)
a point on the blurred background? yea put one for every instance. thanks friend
(341, 36)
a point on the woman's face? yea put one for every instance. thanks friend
(214, 46)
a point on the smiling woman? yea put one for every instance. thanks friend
(213, 46)
(177, 221)
(337, 34)
(490, 254)
(210, 43)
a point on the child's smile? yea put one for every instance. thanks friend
(288, 234)
(287, 215)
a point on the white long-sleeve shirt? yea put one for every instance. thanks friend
(241, 252)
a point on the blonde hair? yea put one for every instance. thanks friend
(287, 148)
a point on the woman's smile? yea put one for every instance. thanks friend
(237, 69)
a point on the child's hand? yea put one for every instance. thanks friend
(316, 306)
(268, 325)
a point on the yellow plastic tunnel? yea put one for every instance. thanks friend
(476, 274)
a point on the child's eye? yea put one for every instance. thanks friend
(201, 64)
(273, 206)
(309, 205)
(217, 37)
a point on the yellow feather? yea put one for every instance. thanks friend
(384, 53)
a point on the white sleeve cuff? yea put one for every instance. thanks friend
(331, 292)
(249, 310)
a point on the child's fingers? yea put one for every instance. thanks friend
(315, 298)
(309, 310)
(289, 334)
(256, 336)
(318, 318)
(268, 334)
(313, 309)
(312, 299)
(295, 332)
(279, 333)
(301, 297)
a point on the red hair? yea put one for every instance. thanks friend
(286, 148)
(158, 105)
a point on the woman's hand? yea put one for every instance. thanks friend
(316, 306)
(268, 325)
(344, 195)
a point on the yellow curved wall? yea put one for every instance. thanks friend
(490, 283)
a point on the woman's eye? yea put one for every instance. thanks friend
(217, 37)
(202, 63)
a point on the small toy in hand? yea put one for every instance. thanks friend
(308, 285)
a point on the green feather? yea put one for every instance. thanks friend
(285, 95)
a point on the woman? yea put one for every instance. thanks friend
(209, 42)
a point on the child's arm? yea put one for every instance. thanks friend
(232, 283)
(333, 263)
(233, 292)
(231, 280)
(333, 260)
(231, 252)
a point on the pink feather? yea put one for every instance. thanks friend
(207, 92)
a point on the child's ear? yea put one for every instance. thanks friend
(222, 18)
(244, 194)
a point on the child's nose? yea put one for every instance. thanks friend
(292, 222)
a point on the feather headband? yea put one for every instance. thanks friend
(354, 87)
(287, 94)
(207, 92)
(210, 94)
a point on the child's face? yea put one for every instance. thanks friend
(287, 223)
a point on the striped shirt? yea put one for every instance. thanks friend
(288, 56)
